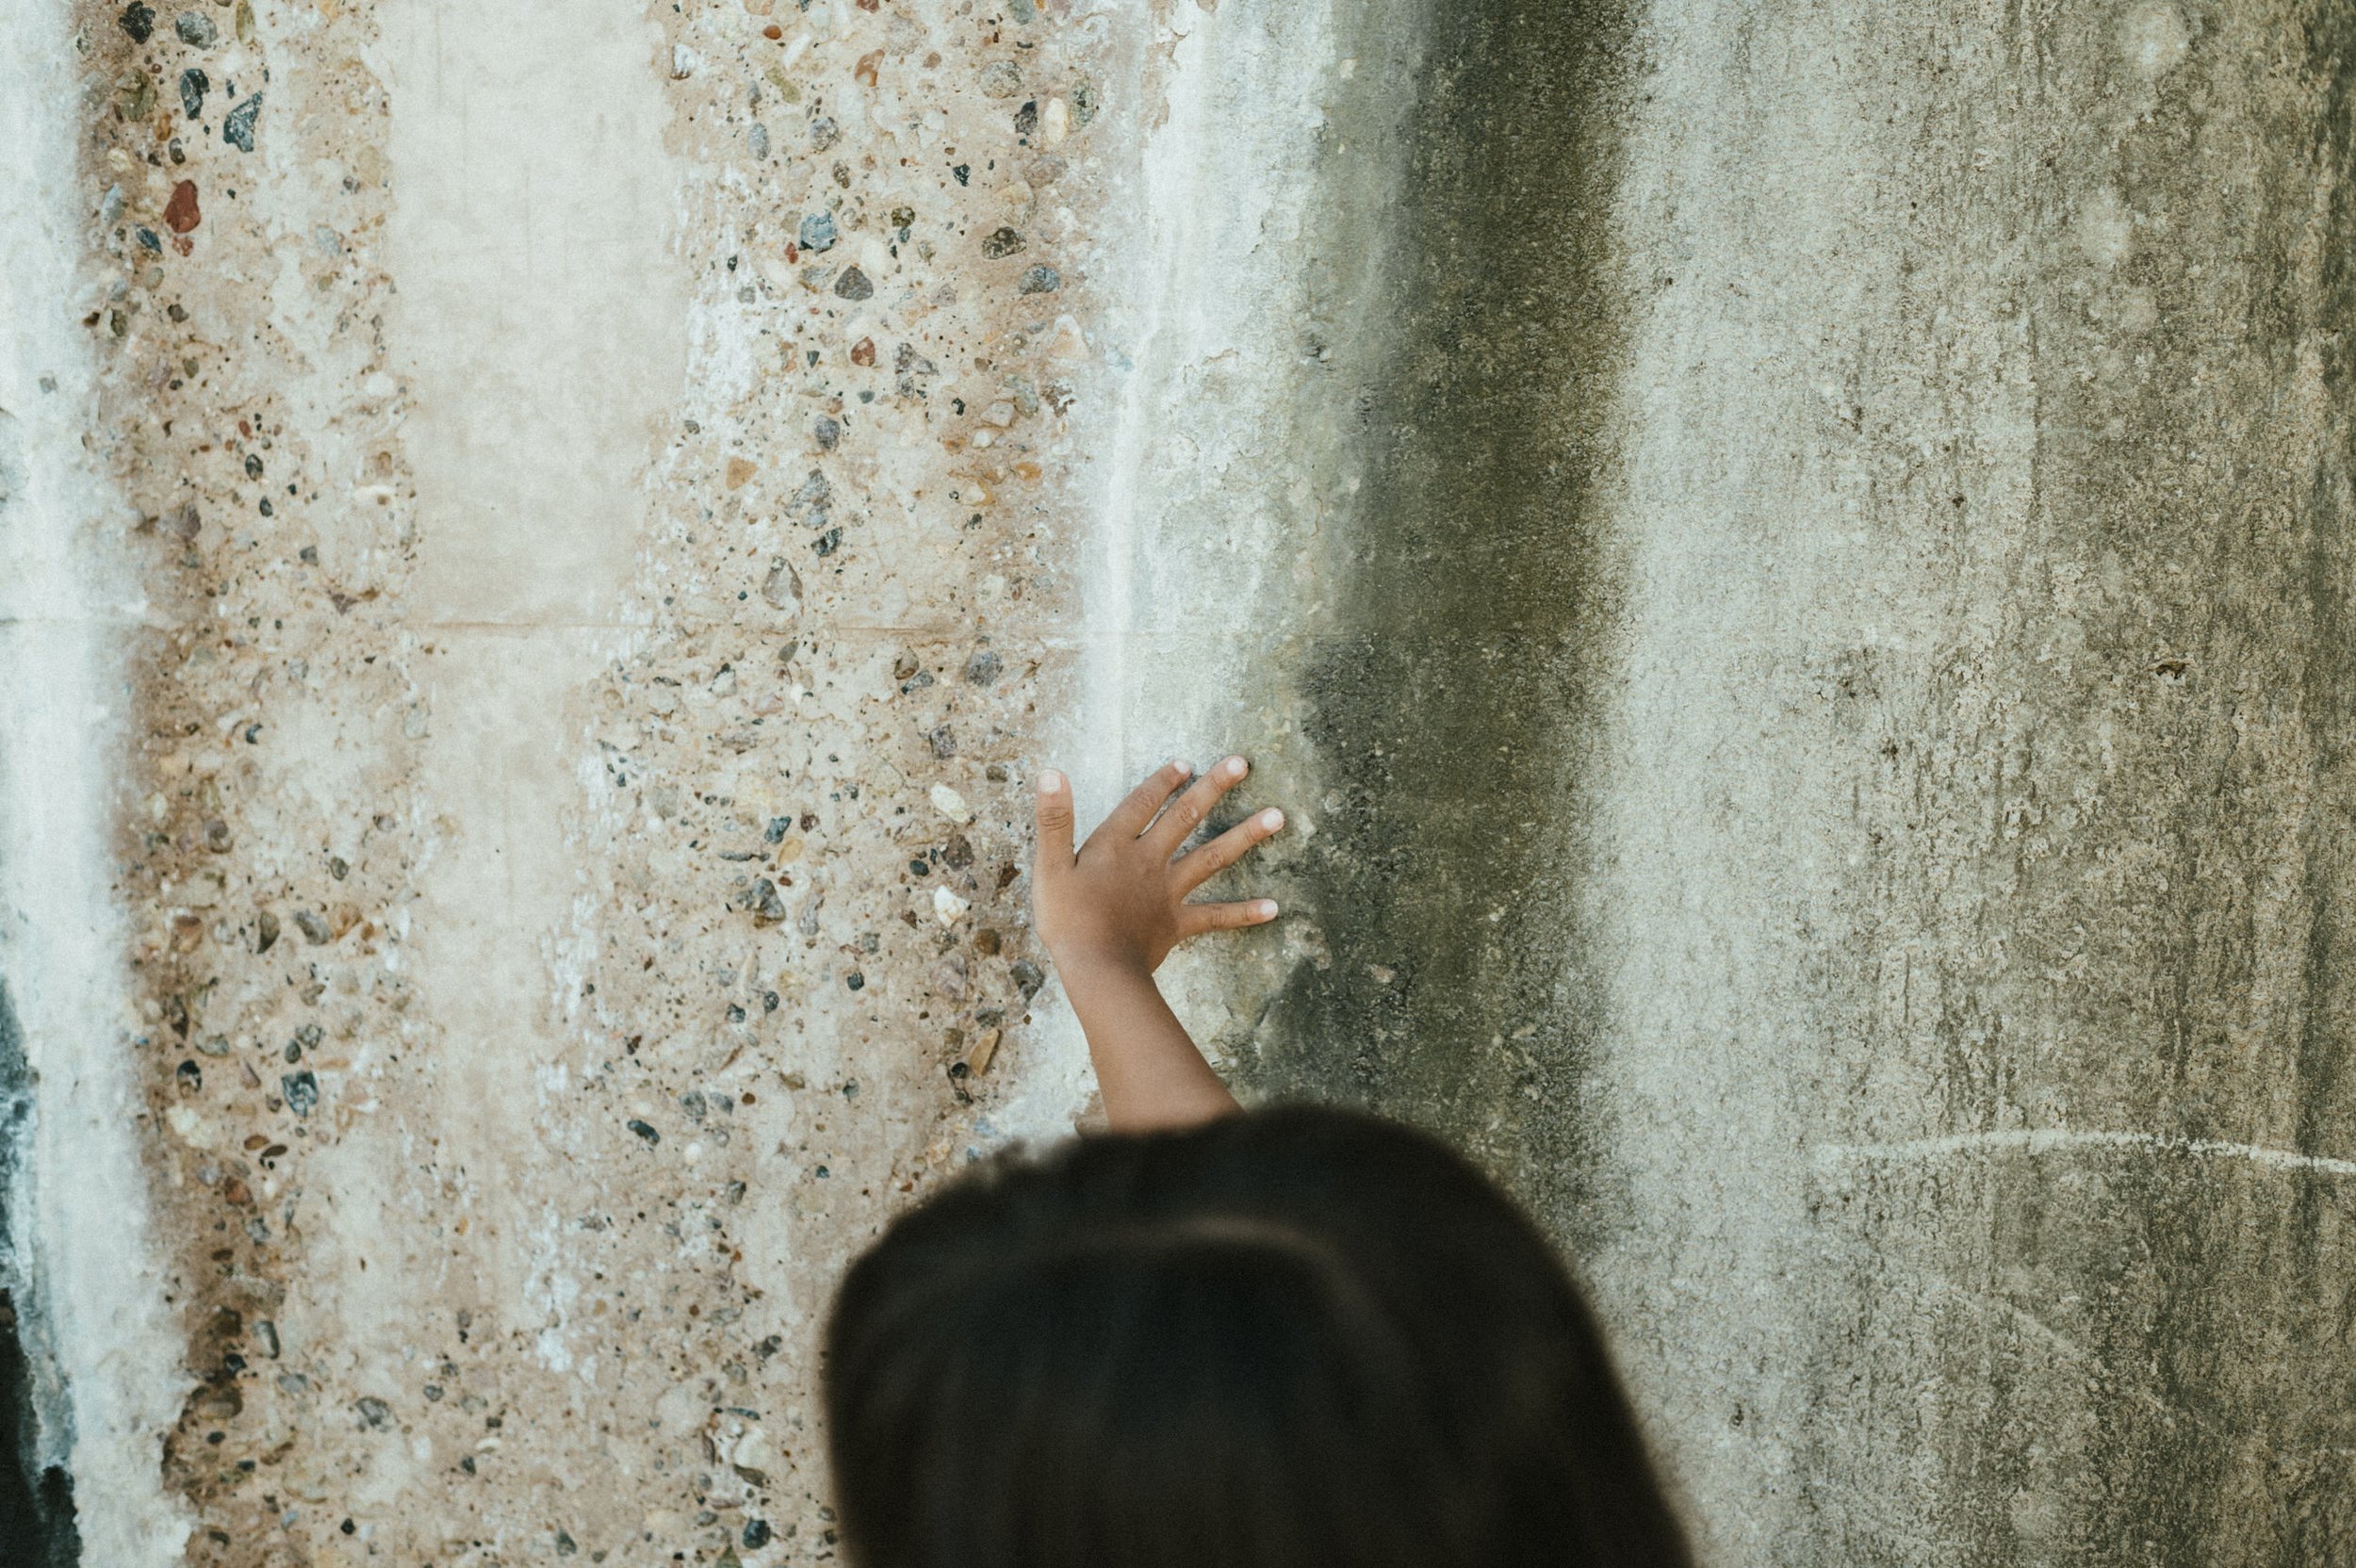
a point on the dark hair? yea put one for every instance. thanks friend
(1297, 1336)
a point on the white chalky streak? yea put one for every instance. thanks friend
(77, 1250)
(2051, 1140)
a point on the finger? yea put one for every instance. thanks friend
(1187, 812)
(1054, 821)
(1202, 864)
(1195, 919)
(1129, 818)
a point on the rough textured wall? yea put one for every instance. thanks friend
(1974, 840)
(1788, 561)
(585, 466)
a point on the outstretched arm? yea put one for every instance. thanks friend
(1111, 911)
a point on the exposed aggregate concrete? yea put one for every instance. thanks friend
(1789, 563)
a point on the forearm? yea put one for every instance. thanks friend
(1149, 1070)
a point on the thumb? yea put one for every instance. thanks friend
(1054, 822)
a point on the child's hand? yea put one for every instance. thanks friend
(1123, 898)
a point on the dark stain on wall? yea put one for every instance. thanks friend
(2114, 842)
(36, 1521)
(1448, 698)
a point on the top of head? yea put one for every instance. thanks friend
(1297, 1336)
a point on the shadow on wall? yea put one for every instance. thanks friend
(37, 1527)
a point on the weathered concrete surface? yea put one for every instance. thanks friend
(588, 467)
(1978, 766)
(101, 1364)
(1788, 563)
(1855, 607)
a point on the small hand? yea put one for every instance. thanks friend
(1122, 897)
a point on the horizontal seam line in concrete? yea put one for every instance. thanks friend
(2041, 1141)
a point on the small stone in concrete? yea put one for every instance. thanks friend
(196, 29)
(943, 743)
(1003, 243)
(758, 138)
(828, 432)
(817, 231)
(1027, 118)
(645, 1132)
(950, 804)
(138, 95)
(302, 1090)
(1002, 79)
(853, 284)
(181, 214)
(768, 908)
(824, 133)
(140, 22)
(1028, 977)
(1042, 280)
(237, 128)
(374, 1411)
(783, 589)
(194, 84)
(983, 668)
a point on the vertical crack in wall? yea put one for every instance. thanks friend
(1451, 700)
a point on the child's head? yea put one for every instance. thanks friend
(1300, 1336)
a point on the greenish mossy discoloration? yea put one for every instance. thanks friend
(1446, 705)
(2112, 842)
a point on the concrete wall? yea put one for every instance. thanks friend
(1787, 560)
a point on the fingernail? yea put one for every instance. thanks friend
(1233, 767)
(1271, 819)
(1050, 782)
(1267, 908)
(1183, 767)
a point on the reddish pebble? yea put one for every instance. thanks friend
(180, 212)
(773, 31)
(868, 65)
(868, 5)
(863, 352)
